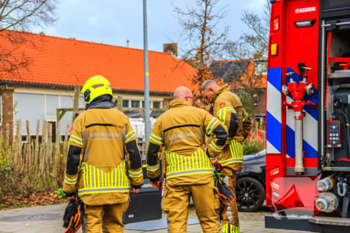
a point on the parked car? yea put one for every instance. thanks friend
(250, 187)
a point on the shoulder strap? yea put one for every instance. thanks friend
(165, 142)
(123, 142)
(201, 133)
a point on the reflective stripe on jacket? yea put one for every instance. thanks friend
(179, 165)
(97, 181)
(236, 150)
(100, 143)
(226, 105)
(181, 131)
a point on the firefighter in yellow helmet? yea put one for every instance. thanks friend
(100, 140)
(229, 110)
(189, 172)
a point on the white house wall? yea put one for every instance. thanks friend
(52, 103)
(34, 107)
(29, 107)
(35, 104)
(48, 91)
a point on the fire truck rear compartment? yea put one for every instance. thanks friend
(337, 131)
(335, 163)
(339, 55)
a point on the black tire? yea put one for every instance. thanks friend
(250, 194)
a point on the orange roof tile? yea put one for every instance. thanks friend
(69, 62)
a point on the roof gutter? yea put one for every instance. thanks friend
(65, 87)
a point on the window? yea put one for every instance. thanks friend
(156, 104)
(125, 103)
(135, 104)
(261, 68)
(256, 99)
(24, 138)
(53, 130)
(33, 138)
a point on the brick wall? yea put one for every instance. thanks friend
(7, 112)
(261, 108)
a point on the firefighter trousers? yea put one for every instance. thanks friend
(106, 217)
(176, 202)
(231, 225)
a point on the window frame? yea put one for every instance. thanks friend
(128, 104)
(137, 101)
(262, 63)
(160, 104)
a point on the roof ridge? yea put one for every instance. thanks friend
(84, 41)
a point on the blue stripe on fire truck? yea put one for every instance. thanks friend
(273, 118)
(274, 110)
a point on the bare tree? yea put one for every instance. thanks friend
(200, 38)
(23, 14)
(248, 77)
(248, 53)
(17, 17)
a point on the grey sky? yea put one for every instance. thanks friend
(115, 21)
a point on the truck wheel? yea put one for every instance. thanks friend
(250, 194)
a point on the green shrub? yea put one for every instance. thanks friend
(60, 193)
(10, 178)
(253, 145)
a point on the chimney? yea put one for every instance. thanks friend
(127, 43)
(170, 48)
(257, 56)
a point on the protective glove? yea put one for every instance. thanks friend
(69, 194)
(225, 193)
(135, 189)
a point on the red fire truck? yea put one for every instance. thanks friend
(308, 116)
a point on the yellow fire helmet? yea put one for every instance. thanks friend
(95, 87)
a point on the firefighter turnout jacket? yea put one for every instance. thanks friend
(99, 142)
(229, 110)
(181, 131)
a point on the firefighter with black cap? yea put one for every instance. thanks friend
(100, 140)
(227, 107)
(181, 131)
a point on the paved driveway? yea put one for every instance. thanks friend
(49, 219)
